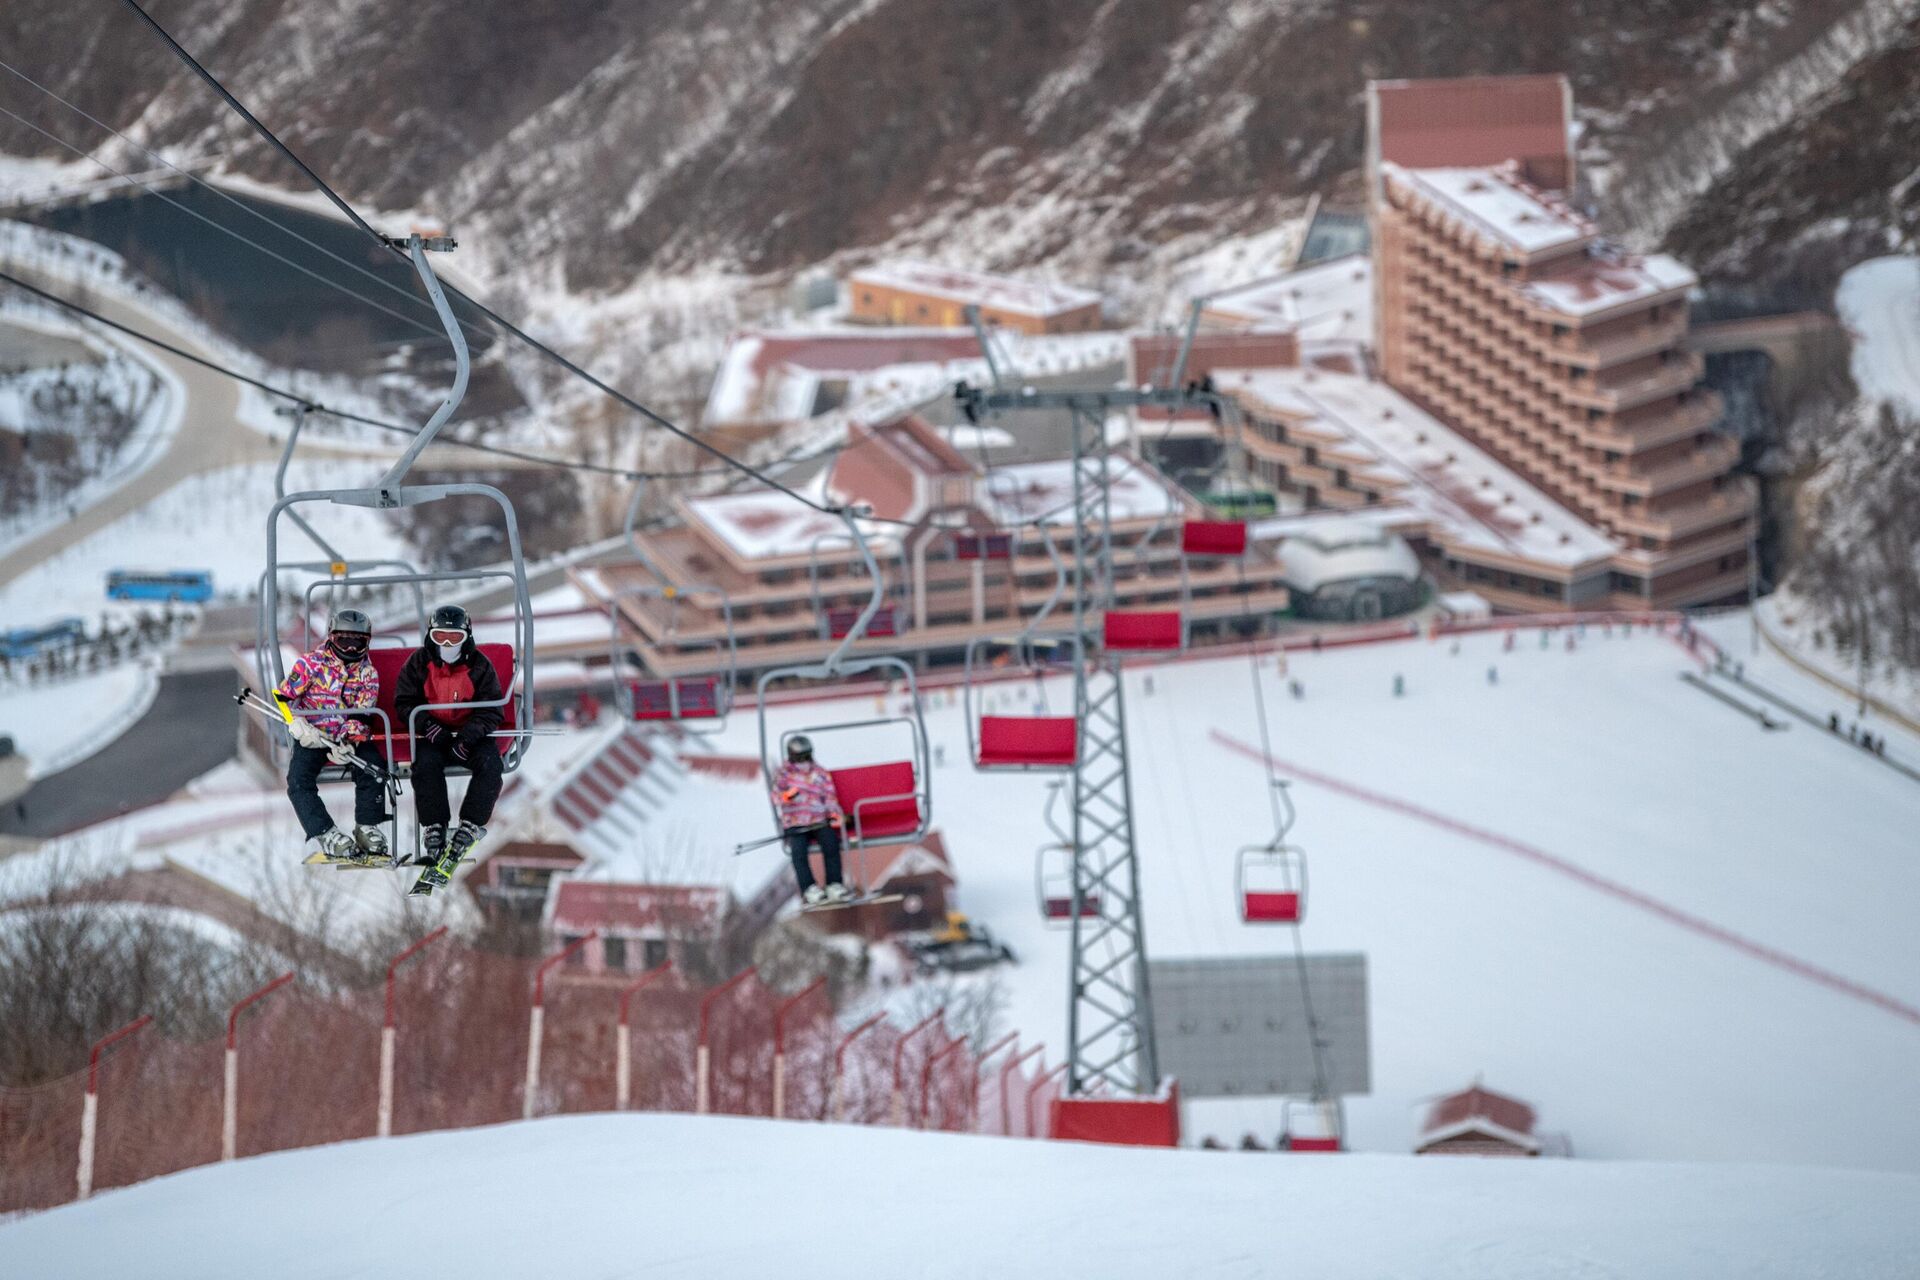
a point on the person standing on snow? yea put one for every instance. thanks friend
(336, 678)
(448, 668)
(810, 814)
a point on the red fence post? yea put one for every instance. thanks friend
(535, 1020)
(1006, 1069)
(623, 1060)
(899, 1052)
(840, 1059)
(230, 1109)
(703, 1062)
(1033, 1090)
(780, 1045)
(979, 1068)
(926, 1077)
(90, 1107)
(383, 1126)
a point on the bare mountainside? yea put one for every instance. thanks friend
(589, 143)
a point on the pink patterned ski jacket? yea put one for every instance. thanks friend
(320, 681)
(803, 792)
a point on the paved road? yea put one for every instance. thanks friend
(210, 436)
(191, 728)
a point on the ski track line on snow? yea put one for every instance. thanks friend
(1592, 880)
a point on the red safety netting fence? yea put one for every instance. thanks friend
(461, 1037)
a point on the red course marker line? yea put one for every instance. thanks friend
(1612, 888)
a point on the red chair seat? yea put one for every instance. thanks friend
(388, 661)
(1157, 631)
(1214, 537)
(1313, 1144)
(982, 546)
(699, 699)
(880, 800)
(1262, 907)
(883, 623)
(1061, 908)
(1044, 741)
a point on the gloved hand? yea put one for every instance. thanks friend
(433, 731)
(301, 730)
(341, 753)
(462, 751)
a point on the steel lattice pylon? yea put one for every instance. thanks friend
(1109, 1015)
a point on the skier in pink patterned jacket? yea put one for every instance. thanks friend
(336, 677)
(810, 814)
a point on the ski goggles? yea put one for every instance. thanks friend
(447, 635)
(347, 645)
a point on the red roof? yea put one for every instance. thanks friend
(1478, 1103)
(860, 352)
(881, 464)
(1476, 121)
(581, 905)
(885, 862)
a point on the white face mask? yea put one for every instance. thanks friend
(449, 653)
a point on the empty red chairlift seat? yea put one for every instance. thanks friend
(388, 661)
(982, 546)
(1260, 906)
(1029, 741)
(883, 623)
(1060, 906)
(699, 699)
(1295, 1143)
(881, 800)
(1138, 631)
(1214, 537)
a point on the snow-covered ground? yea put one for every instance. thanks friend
(1590, 883)
(214, 521)
(1879, 302)
(656, 1195)
(62, 723)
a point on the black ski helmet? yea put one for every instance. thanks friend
(448, 617)
(800, 748)
(349, 634)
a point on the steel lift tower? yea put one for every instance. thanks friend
(1109, 1016)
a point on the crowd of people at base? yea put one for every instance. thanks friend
(94, 651)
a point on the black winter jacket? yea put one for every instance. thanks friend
(470, 678)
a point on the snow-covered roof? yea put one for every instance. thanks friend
(1497, 202)
(1442, 478)
(1029, 491)
(1003, 293)
(1332, 299)
(775, 376)
(1324, 549)
(1602, 283)
(763, 525)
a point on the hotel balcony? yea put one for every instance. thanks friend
(1670, 526)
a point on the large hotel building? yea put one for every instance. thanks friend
(1502, 311)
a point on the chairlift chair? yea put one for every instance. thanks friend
(838, 622)
(1053, 874)
(1312, 1124)
(1270, 880)
(1023, 743)
(1125, 632)
(391, 492)
(701, 696)
(887, 801)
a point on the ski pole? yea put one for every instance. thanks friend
(757, 844)
(283, 716)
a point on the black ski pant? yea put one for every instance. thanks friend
(800, 839)
(431, 760)
(303, 789)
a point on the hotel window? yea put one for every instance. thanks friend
(653, 952)
(577, 958)
(614, 952)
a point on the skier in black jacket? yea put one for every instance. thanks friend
(448, 668)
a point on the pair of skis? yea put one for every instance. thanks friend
(422, 887)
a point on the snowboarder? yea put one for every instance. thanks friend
(336, 678)
(810, 814)
(448, 668)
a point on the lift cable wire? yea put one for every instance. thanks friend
(313, 406)
(397, 289)
(505, 324)
(434, 334)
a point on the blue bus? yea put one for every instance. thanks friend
(25, 642)
(190, 586)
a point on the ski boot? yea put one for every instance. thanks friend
(433, 844)
(332, 846)
(838, 893)
(461, 842)
(813, 896)
(372, 844)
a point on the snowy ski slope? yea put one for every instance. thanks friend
(650, 1195)
(1680, 936)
